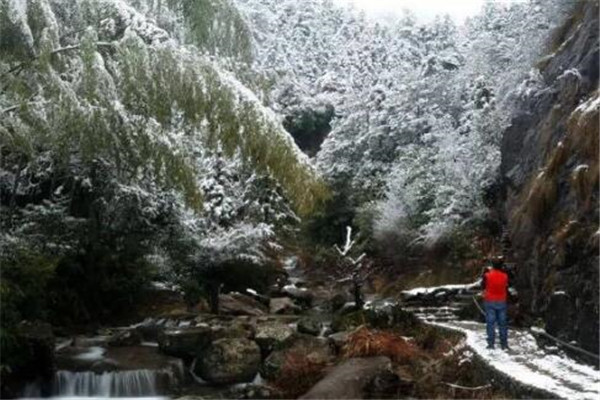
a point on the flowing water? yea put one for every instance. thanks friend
(136, 383)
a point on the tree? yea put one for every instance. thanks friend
(352, 270)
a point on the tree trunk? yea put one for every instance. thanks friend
(358, 299)
(13, 196)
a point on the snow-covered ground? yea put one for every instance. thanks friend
(426, 290)
(528, 363)
(525, 362)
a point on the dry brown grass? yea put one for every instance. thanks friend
(581, 141)
(364, 342)
(541, 197)
(583, 132)
(562, 33)
(298, 374)
(557, 159)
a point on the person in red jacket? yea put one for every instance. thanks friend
(495, 283)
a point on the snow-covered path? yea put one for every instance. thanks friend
(529, 364)
(526, 362)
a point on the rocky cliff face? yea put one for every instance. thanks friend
(550, 171)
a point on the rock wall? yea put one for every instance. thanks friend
(550, 178)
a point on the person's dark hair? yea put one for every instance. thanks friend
(497, 264)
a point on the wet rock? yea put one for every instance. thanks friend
(254, 391)
(310, 326)
(337, 302)
(185, 342)
(559, 316)
(272, 334)
(239, 327)
(353, 379)
(128, 337)
(229, 361)
(79, 358)
(151, 328)
(301, 296)
(387, 385)
(316, 350)
(239, 304)
(283, 305)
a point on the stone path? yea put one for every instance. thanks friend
(526, 362)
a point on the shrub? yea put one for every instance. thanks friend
(298, 374)
(364, 342)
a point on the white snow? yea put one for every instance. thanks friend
(426, 290)
(591, 105)
(531, 365)
(525, 362)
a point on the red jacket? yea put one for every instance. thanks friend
(495, 284)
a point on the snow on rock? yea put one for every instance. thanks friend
(428, 290)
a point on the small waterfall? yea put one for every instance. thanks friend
(136, 383)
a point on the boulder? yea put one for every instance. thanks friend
(239, 327)
(239, 304)
(310, 326)
(339, 339)
(185, 342)
(352, 379)
(229, 360)
(302, 296)
(272, 334)
(314, 349)
(128, 337)
(283, 305)
(151, 328)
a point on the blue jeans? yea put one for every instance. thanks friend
(495, 312)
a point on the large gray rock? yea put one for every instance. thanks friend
(229, 360)
(302, 296)
(239, 304)
(127, 337)
(351, 379)
(185, 342)
(283, 305)
(316, 350)
(310, 326)
(272, 334)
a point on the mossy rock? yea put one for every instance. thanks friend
(394, 317)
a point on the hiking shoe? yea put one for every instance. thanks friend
(505, 348)
(490, 347)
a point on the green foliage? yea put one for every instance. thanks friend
(23, 293)
(25, 274)
(328, 225)
(216, 26)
